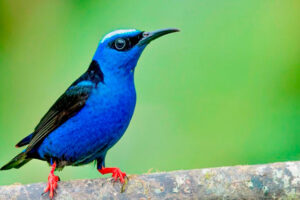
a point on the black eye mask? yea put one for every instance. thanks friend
(124, 44)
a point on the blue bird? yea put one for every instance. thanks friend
(93, 113)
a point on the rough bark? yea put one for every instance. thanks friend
(271, 181)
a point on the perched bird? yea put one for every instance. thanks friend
(93, 113)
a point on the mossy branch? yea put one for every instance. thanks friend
(270, 181)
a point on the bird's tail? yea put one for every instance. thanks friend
(17, 162)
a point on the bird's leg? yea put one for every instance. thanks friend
(52, 182)
(116, 173)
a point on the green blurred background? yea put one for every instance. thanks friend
(223, 91)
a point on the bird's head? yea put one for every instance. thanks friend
(119, 51)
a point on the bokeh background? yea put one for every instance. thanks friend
(223, 91)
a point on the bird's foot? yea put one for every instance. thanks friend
(52, 183)
(116, 173)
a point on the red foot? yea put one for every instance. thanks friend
(116, 173)
(52, 182)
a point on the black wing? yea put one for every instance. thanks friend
(24, 141)
(68, 105)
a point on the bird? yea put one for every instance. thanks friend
(93, 113)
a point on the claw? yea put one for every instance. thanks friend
(115, 176)
(52, 182)
(116, 173)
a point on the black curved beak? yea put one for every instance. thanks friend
(149, 36)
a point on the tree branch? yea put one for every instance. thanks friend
(271, 181)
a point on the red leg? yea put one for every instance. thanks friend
(116, 173)
(52, 182)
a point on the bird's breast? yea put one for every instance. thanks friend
(95, 128)
(109, 110)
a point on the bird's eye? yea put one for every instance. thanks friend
(120, 44)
